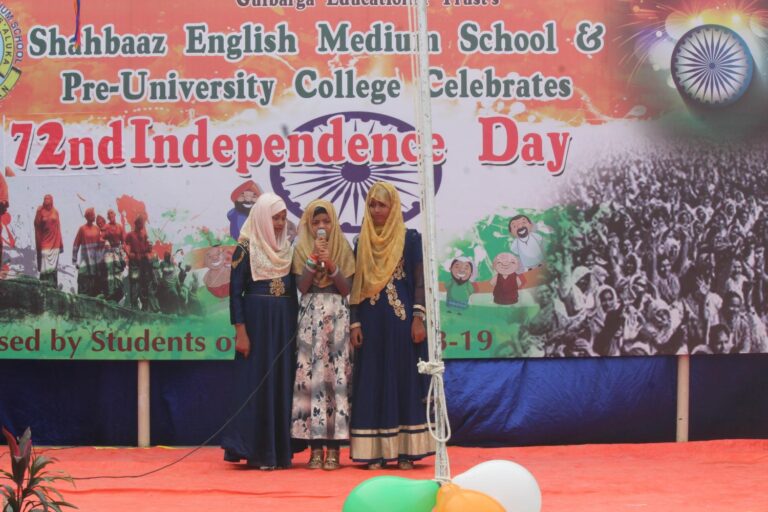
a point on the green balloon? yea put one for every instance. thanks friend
(392, 494)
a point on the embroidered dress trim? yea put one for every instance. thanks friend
(277, 287)
(408, 441)
(244, 245)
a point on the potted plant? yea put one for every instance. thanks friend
(29, 488)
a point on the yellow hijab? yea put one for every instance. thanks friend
(379, 249)
(341, 252)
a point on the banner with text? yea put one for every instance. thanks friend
(600, 170)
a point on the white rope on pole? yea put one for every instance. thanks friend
(434, 367)
(442, 430)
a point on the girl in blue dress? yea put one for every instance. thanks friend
(263, 309)
(387, 299)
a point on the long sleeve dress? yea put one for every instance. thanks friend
(389, 394)
(261, 433)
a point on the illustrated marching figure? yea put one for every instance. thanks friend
(48, 241)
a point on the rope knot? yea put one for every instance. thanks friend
(431, 367)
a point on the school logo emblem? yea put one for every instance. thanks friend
(11, 50)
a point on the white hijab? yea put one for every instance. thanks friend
(270, 256)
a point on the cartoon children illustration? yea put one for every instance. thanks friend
(460, 287)
(506, 280)
(527, 245)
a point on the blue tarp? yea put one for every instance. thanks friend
(496, 402)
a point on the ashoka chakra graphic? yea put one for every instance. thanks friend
(346, 185)
(712, 65)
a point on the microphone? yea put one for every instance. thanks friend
(322, 234)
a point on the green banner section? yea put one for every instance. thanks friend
(41, 322)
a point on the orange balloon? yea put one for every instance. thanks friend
(452, 498)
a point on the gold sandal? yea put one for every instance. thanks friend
(316, 459)
(332, 460)
(405, 464)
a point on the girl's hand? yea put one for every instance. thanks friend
(356, 337)
(320, 245)
(324, 255)
(418, 331)
(242, 342)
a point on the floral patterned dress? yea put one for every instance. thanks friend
(321, 404)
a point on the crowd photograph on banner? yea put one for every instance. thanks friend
(387, 255)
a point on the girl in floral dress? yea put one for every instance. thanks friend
(324, 262)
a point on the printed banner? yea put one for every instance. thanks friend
(599, 166)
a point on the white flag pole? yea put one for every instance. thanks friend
(441, 430)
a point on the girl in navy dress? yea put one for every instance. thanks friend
(263, 309)
(387, 299)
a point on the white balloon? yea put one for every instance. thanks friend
(508, 483)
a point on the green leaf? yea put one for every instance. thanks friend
(61, 475)
(13, 503)
(43, 500)
(25, 441)
(51, 490)
(19, 469)
(39, 463)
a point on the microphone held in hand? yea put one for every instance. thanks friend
(322, 235)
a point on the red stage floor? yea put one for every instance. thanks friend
(710, 476)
